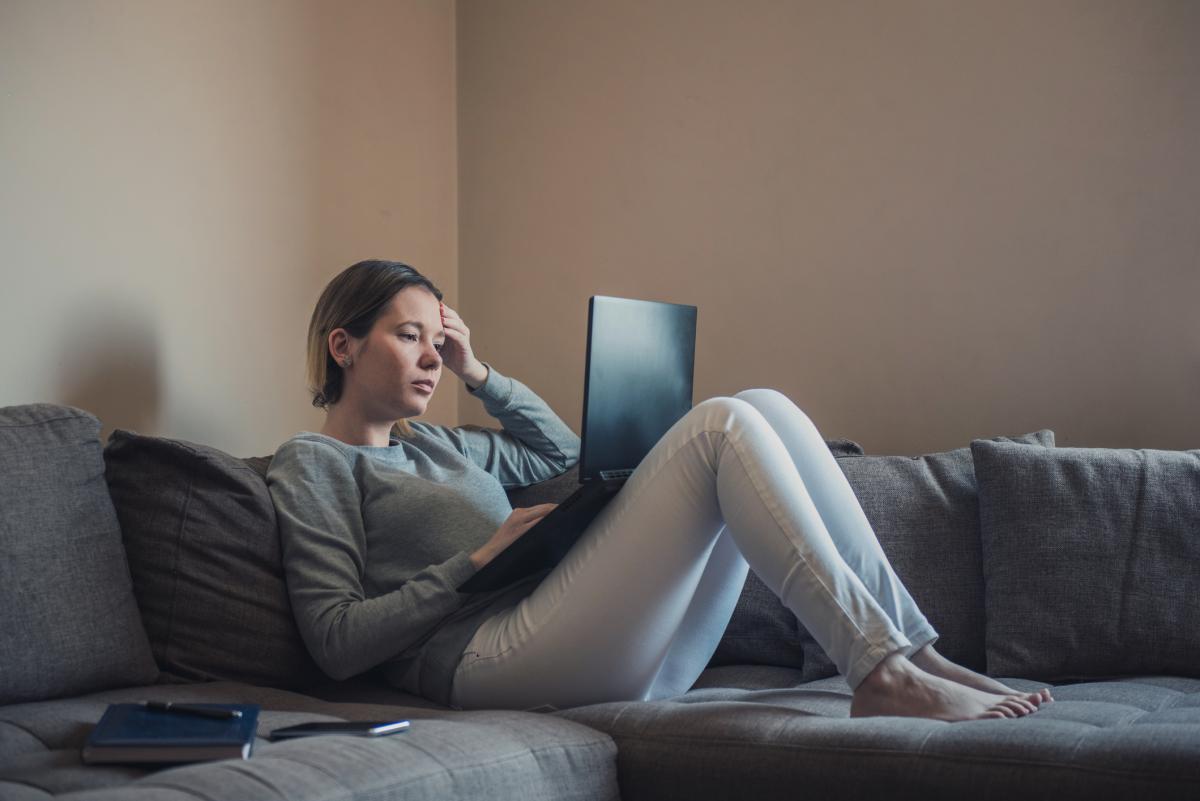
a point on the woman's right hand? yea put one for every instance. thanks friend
(520, 521)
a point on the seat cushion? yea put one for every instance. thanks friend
(69, 623)
(204, 551)
(460, 755)
(746, 732)
(1098, 548)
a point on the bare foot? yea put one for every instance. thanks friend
(931, 661)
(898, 687)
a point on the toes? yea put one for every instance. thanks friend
(1018, 705)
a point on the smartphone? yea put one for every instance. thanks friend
(360, 728)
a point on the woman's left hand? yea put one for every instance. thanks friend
(457, 356)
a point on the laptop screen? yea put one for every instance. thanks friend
(638, 380)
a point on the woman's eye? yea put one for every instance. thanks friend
(409, 337)
(438, 346)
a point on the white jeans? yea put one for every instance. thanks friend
(637, 608)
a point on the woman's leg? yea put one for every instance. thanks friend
(855, 539)
(609, 622)
(600, 625)
(841, 512)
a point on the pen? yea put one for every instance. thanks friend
(192, 709)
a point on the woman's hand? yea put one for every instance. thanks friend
(520, 521)
(457, 355)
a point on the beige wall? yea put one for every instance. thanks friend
(924, 221)
(180, 178)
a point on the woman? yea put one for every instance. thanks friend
(382, 520)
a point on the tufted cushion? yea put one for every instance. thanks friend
(1090, 558)
(750, 732)
(925, 512)
(69, 622)
(490, 756)
(205, 556)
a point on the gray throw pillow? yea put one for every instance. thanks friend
(925, 512)
(205, 556)
(1090, 558)
(70, 624)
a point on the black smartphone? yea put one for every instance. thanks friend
(359, 728)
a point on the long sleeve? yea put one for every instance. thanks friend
(533, 445)
(319, 507)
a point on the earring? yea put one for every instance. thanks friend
(346, 363)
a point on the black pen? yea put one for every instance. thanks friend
(192, 709)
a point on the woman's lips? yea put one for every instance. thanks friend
(423, 386)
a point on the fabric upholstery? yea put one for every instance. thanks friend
(918, 506)
(69, 623)
(743, 732)
(204, 551)
(479, 755)
(1092, 560)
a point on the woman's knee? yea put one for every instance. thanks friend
(774, 405)
(721, 411)
(763, 398)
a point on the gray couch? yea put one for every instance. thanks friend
(149, 569)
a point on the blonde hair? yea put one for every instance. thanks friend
(354, 300)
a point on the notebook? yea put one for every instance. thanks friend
(637, 384)
(135, 734)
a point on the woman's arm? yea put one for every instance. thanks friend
(318, 504)
(534, 445)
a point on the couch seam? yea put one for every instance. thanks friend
(31, 733)
(43, 422)
(897, 752)
(187, 502)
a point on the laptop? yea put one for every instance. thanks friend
(637, 384)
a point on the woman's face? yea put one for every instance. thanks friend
(398, 365)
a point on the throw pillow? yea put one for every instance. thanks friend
(1089, 558)
(925, 512)
(207, 568)
(70, 624)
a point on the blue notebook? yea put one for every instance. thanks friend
(133, 733)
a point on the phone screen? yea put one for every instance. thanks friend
(360, 728)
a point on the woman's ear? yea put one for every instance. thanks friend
(338, 344)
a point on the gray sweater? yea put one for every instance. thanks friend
(376, 539)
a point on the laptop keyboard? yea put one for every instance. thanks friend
(609, 475)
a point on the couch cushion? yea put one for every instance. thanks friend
(69, 622)
(204, 551)
(1090, 558)
(742, 735)
(467, 755)
(925, 512)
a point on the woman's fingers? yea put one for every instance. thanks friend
(534, 515)
(539, 511)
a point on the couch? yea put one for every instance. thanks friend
(149, 568)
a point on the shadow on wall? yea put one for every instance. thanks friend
(109, 365)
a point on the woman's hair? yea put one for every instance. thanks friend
(354, 300)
